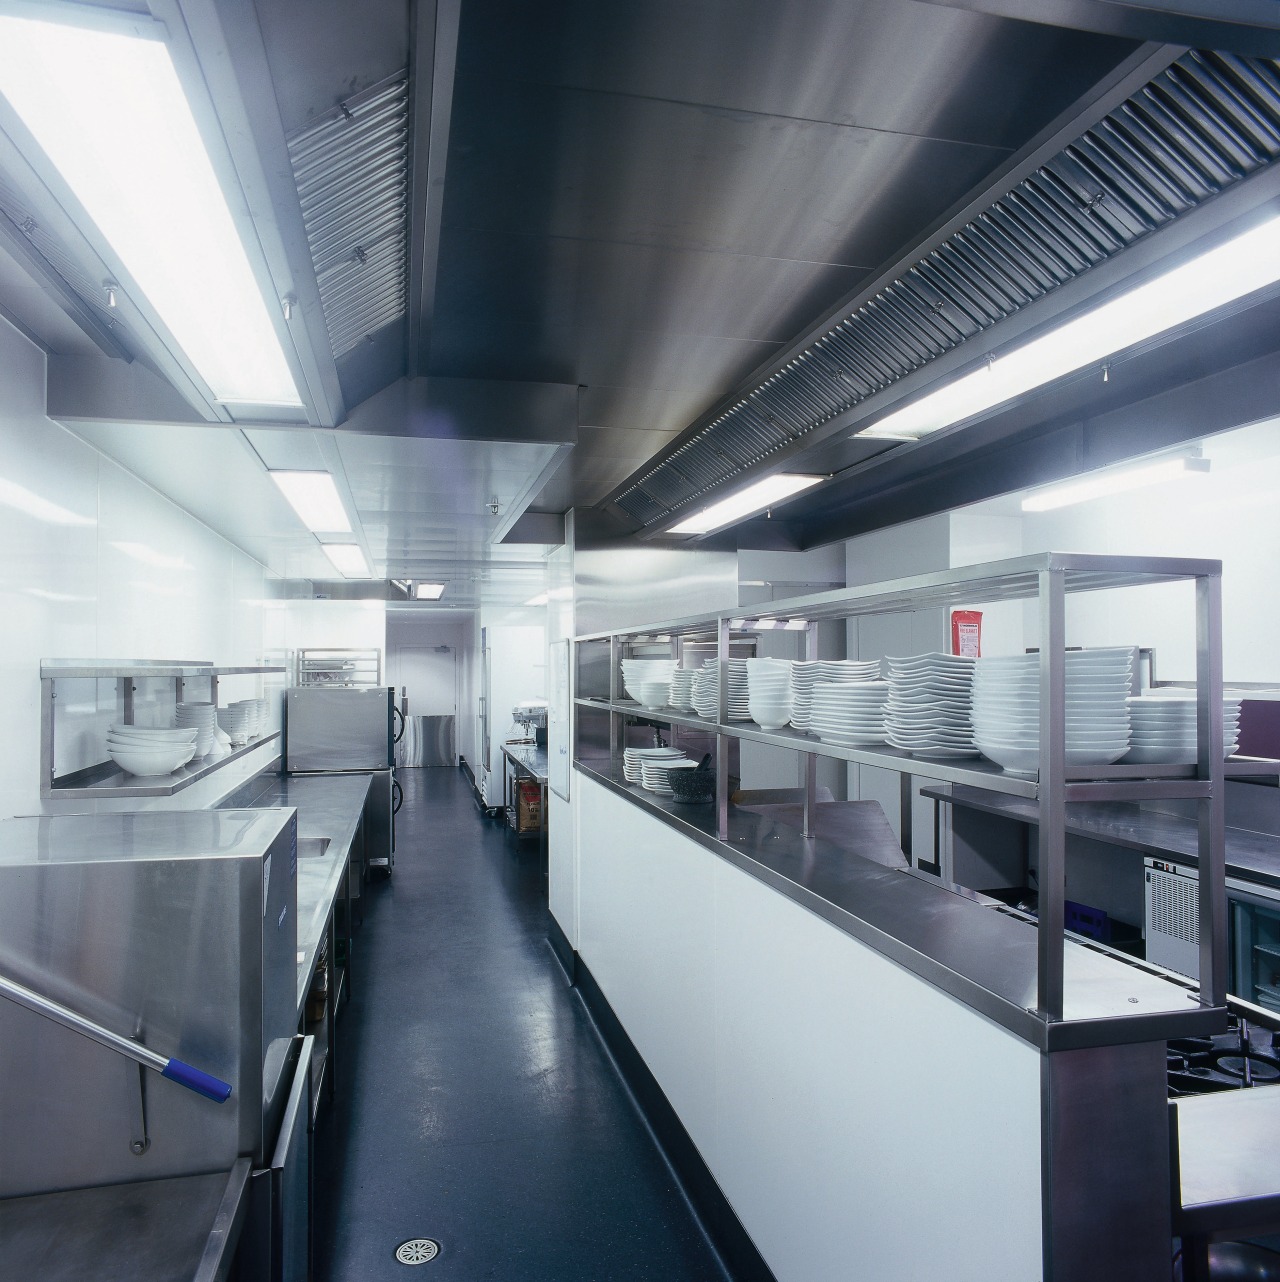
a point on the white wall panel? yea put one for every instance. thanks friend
(796, 1058)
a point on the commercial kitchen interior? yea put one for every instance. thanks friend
(535, 285)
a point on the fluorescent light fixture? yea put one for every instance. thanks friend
(796, 625)
(755, 498)
(1239, 266)
(27, 502)
(1112, 481)
(108, 110)
(314, 497)
(428, 591)
(541, 599)
(149, 556)
(348, 559)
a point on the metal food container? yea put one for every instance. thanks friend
(177, 928)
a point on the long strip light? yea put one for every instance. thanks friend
(1239, 266)
(348, 560)
(109, 112)
(314, 497)
(755, 498)
(1112, 481)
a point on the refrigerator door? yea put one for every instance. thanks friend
(1255, 948)
(338, 729)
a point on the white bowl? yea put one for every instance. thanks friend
(150, 761)
(154, 734)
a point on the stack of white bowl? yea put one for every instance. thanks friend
(203, 716)
(1163, 729)
(638, 672)
(144, 750)
(652, 695)
(632, 759)
(256, 715)
(706, 690)
(236, 721)
(682, 680)
(769, 692)
(928, 709)
(653, 772)
(1006, 708)
(849, 713)
(805, 675)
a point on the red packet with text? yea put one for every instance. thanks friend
(966, 633)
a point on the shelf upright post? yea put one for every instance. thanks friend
(617, 730)
(810, 758)
(48, 694)
(722, 739)
(126, 688)
(1052, 792)
(1211, 810)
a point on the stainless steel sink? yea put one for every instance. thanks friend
(312, 847)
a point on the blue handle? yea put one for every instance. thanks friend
(194, 1080)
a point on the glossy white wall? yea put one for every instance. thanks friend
(96, 564)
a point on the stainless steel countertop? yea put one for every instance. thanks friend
(1229, 1161)
(183, 1229)
(1251, 856)
(983, 956)
(328, 805)
(531, 759)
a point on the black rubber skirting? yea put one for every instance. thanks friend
(737, 1250)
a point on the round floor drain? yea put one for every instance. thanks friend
(417, 1250)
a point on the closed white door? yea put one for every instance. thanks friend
(429, 676)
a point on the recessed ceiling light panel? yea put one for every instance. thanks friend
(314, 497)
(348, 560)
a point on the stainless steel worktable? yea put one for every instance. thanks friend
(177, 1230)
(328, 806)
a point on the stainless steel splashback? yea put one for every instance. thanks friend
(177, 927)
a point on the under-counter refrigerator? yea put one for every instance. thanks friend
(349, 730)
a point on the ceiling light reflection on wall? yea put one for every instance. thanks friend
(1115, 481)
(1240, 266)
(149, 556)
(21, 499)
(348, 559)
(314, 497)
(428, 591)
(109, 112)
(755, 498)
(541, 599)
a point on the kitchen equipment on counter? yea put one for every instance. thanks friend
(340, 729)
(693, 787)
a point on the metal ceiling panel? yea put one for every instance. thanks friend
(351, 168)
(1206, 122)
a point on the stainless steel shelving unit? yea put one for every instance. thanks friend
(106, 778)
(1048, 578)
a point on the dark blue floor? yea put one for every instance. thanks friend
(476, 1104)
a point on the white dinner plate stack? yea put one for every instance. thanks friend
(203, 716)
(653, 772)
(805, 675)
(1006, 708)
(632, 758)
(1163, 729)
(849, 713)
(637, 672)
(706, 691)
(769, 692)
(929, 705)
(682, 680)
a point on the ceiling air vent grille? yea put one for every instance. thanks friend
(1203, 124)
(352, 170)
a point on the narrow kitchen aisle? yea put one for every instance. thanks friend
(476, 1104)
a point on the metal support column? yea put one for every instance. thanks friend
(1052, 796)
(722, 740)
(617, 725)
(906, 796)
(1211, 810)
(810, 758)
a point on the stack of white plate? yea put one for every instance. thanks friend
(236, 722)
(706, 690)
(633, 757)
(636, 672)
(928, 709)
(203, 716)
(769, 692)
(1006, 708)
(849, 713)
(653, 772)
(805, 675)
(682, 680)
(1163, 729)
(144, 750)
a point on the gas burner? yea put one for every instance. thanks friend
(1244, 1056)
